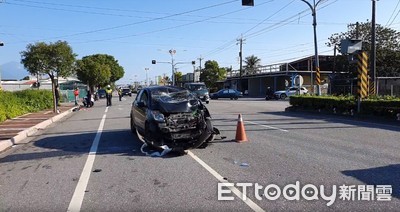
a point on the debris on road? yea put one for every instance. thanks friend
(155, 153)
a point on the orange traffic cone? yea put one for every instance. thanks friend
(240, 131)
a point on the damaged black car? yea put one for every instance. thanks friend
(168, 116)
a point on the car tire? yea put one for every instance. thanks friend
(207, 102)
(236, 98)
(283, 96)
(231, 98)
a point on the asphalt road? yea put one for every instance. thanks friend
(56, 172)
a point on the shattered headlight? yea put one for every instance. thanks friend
(157, 116)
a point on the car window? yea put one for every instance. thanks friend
(293, 89)
(139, 95)
(144, 98)
(225, 91)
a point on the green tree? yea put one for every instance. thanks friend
(178, 76)
(387, 48)
(251, 64)
(212, 73)
(99, 70)
(54, 59)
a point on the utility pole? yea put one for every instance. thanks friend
(240, 62)
(373, 51)
(147, 79)
(172, 52)
(313, 8)
(200, 59)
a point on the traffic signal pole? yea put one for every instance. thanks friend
(313, 8)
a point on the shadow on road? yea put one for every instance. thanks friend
(385, 175)
(116, 142)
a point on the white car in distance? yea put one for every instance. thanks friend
(289, 92)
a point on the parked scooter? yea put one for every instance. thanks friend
(270, 94)
(86, 103)
(270, 97)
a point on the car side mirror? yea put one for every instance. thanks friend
(141, 104)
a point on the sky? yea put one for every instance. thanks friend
(137, 32)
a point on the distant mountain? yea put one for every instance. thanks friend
(13, 71)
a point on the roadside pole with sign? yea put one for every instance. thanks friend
(298, 81)
(353, 47)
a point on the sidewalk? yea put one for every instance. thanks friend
(14, 131)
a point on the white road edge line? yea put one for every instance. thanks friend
(236, 191)
(77, 197)
(266, 126)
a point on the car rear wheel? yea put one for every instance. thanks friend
(283, 96)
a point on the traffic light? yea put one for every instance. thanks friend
(153, 62)
(247, 2)
(193, 62)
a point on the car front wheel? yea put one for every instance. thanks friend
(283, 96)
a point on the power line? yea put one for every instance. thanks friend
(269, 17)
(167, 28)
(392, 15)
(142, 22)
(285, 22)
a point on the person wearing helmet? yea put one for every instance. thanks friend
(108, 95)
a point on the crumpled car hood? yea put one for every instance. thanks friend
(176, 103)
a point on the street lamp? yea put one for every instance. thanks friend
(1, 44)
(313, 8)
(172, 52)
(147, 79)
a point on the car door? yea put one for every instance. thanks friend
(140, 109)
(291, 91)
(225, 94)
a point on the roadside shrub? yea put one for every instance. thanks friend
(341, 103)
(387, 106)
(13, 104)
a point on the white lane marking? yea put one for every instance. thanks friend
(266, 126)
(236, 191)
(77, 198)
(106, 109)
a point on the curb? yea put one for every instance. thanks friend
(18, 139)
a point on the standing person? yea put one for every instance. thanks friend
(76, 94)
(57, 94)
(88, 98)
(120, 93)
(108, 95)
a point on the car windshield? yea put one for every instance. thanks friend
(171, 96)
(101, 91)
(197, 87)
(126, 90)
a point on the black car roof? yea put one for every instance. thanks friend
(172, 88)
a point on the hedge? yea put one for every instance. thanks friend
(380, 106)
(13, 104)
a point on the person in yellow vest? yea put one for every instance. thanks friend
(120, 93)
(108, 95)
